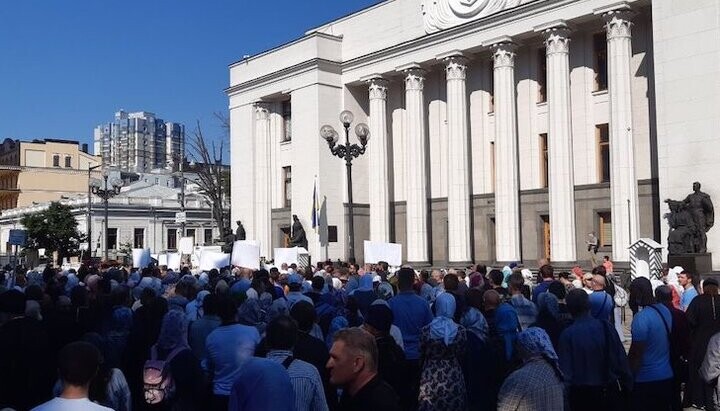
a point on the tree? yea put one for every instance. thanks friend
(213, 180)
(54, 229)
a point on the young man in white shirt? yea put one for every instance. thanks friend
(78, 364)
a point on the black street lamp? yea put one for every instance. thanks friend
(89, 206)
(106, 192)
(348, 152)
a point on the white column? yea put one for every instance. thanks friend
(459, 233)
(379, 176)
(415, 174)
(507, 184)
(263, 195)
(623, 182)
(560, 162)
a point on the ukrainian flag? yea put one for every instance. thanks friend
(316, 207)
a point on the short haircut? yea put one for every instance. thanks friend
(516, 281)
(577, 302)
(360, 342)
(496, 277)
(209, 304)
(599, 270)
(406, 278)
(78, 363)
(318, 283)
(663, 294)
(687, 273)
(482, 269)
(451, 282)
(281, 333)
(474, 298)
(226, 309)
(564, 274)
(558, 290)
(606, 258)
(304, 314)
(547, 271)
(491, 299)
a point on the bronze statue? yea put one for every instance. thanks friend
(240, 231)
(689, 221)
(229, 240)
(298, 238)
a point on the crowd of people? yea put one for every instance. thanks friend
(344, 337)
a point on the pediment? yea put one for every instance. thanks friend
(439, 15)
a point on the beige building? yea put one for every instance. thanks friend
(42, 170)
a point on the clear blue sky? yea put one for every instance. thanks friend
(68, 65)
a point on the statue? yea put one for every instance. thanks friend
(298, 238)
(689, 221)
(229, 240)
(240, 231)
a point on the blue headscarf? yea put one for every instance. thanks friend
(507, 272)
(443, 327)
(534, 343)
(366, 282)
(548, 302)
(475, 322)
(72, 282)
(173, 331)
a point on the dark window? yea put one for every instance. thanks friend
(139, 238)
(492, 165)
(190, 232)
(605, 223)
(600, 61)
(172, 239)
(208, 236)
(332, 234)
(543, 160)
(68, 162)
(56, 160)
(542, 75)
(603, 139)
(491, 76)
(287, 120)
(112, 238)
(287, 186)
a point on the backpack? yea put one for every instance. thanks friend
(158, 383)
(621, 297)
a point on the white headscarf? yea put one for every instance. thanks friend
(443, 327)
(672, 279)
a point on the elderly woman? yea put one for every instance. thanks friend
(442, 348)
(538, 384)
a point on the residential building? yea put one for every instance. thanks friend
(500, 131)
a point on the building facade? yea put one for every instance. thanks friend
(140, 142)
(500, 131)
(42, 170)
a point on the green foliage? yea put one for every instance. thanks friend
(54, 229)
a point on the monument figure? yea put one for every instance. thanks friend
(240, 231)
(690, 220)
(228, 240)
(298, 237)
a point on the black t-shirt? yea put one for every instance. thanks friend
(376, 395)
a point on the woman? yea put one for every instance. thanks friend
(172, 346)
(442, 347)
(480, 367)
(703, 315)
(538, 384)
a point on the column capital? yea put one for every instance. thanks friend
(557, 39)
(504, 54)
(618, 23)
(414, 78)
(262, 110)
(456, 67)
(377, 87)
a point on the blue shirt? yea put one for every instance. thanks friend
(228, 347)
(601, 305)
(262, 384)
(583, 352)
(306, 382)
(410, 314)
(688, 295)
(198, 332)
(647, 327)
(539, 289)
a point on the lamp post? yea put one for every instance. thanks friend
(348, 152)
(105, 193)
(89, 216)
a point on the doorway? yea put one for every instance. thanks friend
(546, 236)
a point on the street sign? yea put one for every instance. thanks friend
(181, 217)
(17, 237)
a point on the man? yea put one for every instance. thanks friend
(262, 384)
(77, 365)
(201, 328)
(410, 313)
(295, 294)
(281, 339)
(607, 264)
(685, 278)
(451, 284)
(590, 352)
(547, 273)
(496, 280)
(526, 310)
(353, 366)
(601, 303)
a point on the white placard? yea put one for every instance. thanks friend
(213, 259)
(162, 259)
(173, 261)
(186, 244)
(286, 256)
(246, 255)
(141, 257)
(376, 251)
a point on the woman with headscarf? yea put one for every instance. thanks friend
(365, 294)
(674, 282)
(194, 309)
(703, 315)
(480, 366)
(538, 384)
(172, 347)
(442, 348)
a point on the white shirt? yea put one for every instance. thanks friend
(63, 404)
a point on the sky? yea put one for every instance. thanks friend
(67, 66)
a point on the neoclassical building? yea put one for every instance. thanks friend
(500, 130)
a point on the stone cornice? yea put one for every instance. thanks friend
(309, 65)
(285, 45)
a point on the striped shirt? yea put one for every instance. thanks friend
(306, 382)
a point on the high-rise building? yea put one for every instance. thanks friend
(140, 142)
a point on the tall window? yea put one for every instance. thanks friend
(603, 142)
(172, 238)
(287, 186)
(139, 238)
(605, 224)
(56, 160)
(190, 232)
(543, 160)
(208, 236)
(287, 120)
(491, 89)
(112, 237)
(600, 61)
(542, 75)
(68, 162)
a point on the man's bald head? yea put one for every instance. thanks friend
(598, 283)
(491, 299)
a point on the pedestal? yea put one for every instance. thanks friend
(697, 264)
